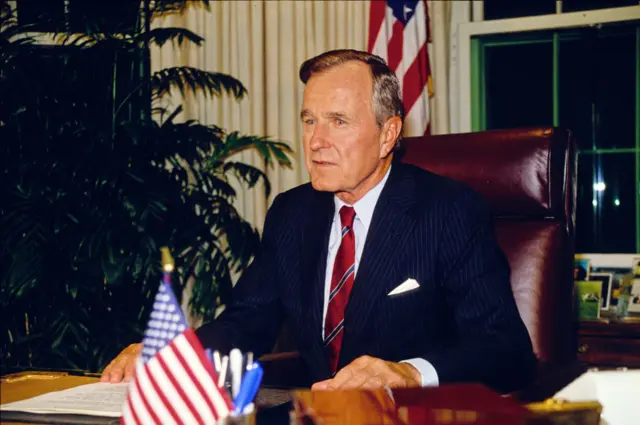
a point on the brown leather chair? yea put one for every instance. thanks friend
(528, 177)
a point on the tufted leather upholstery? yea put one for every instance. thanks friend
(529, 178)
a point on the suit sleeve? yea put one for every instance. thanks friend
(490, 342)
(253, 318)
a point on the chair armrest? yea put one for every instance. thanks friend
(285, 370)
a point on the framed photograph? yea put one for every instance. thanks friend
(607, 286)
(634, 302)
(635, 266)
(581, 269)
(587, 299)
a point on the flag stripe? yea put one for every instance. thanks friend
(139, 407)
(177, 400)
(415, 36)
(209, 379)
(413, 84)
(154, 400)
(396, 43)
(133, 416)
(126, 417)
(384, 35)
(377, 12)
(161, 394)
(198, 394)
(177, 386)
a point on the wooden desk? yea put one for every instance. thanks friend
(609, 344)
(23, 385)
(29, 384)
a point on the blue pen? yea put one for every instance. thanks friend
(209, 355)
(248, 387)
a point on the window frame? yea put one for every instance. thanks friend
(470, 88)
(467, 30)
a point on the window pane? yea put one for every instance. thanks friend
(575, 5)
(519, 85)
(605, 216)
(501, 9)
(597, 85)
(615, 90)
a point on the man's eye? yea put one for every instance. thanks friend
(309, 121)
(340, 122)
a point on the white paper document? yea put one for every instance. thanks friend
(99, 399)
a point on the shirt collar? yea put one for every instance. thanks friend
(365, 206)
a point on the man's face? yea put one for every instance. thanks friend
(342, 142)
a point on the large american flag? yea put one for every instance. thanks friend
(398, 32)
(174, 381)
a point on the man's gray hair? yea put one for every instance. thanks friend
(386, 100)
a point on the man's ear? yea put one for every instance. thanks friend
(389, 135)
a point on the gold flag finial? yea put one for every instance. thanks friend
(167, 260)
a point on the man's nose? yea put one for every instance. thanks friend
(319, 137)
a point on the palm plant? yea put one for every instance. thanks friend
(98, 174)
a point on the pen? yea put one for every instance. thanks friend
(207, 352)
(249, 388)
(223, 372)
(249, 359)
(235, 367)
(217, 361)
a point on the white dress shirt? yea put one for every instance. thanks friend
(364, 212)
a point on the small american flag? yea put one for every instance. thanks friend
(398, 33)
(174, 382)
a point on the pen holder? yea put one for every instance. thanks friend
(246, 419)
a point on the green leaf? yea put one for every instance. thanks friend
(162, 7)
(160, 36)
(94, 184)
(183, 77)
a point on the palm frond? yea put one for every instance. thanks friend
(164, 7)
(247, 174)
(186, 77)
(160, 36)
(273, 152)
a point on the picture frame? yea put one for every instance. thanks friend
(587, 299)
(581, 269)
(607, 284)
(635, 266)
(634, 302)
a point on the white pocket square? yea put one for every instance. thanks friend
(407, 285)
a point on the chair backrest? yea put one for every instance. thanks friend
(528, 177)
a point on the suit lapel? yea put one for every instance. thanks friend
(390, 226)
(315, 242)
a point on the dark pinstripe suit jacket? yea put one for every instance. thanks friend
(462, 318)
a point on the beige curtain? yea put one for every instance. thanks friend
(444, 19)
(262, 43)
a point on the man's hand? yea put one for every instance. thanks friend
(370, 373)
(122, 366)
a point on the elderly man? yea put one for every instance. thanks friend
(387, 274)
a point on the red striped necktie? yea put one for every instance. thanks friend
(341, 284)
